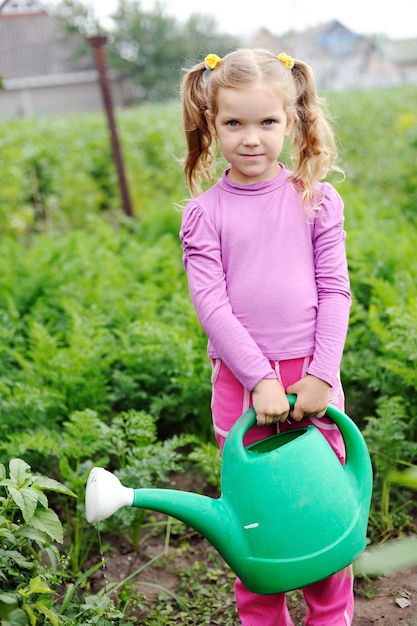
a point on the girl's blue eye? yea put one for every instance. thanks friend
(233, 123)
(268, 122)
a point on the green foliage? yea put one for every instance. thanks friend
(29, 529)
(108, 332)
(68, 456)
(59, 178)
(128, 445)
(208, 459)
(141, 460)
(78, 18)
(102, 610)
(395, 555)
(206, 590)
(379, 365)
(151, 47)
(388, 446)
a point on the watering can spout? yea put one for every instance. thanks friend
(206, 515)
(105, 495)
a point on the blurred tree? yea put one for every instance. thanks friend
(78, 16)
(150, 47)
(78, 19)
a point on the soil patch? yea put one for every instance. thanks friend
(390, 601)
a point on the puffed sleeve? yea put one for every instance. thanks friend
(229, 339)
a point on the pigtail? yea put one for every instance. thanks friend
(313, 141)
(199, 161)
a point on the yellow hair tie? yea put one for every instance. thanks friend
(287, 60)
(212, 61)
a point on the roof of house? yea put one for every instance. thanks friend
(36, 44)
(334, 39)
(18, 7)
(331, 38)
(399, 50)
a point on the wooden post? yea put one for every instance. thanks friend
(97, 43)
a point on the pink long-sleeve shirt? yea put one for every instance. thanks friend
(268, 281)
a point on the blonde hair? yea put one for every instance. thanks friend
(313, 147)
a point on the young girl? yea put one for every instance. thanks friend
(264, 252)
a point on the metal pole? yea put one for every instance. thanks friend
(97, 43)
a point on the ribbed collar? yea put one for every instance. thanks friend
(265, 186)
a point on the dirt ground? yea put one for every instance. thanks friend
(385, 608)
(390, 601)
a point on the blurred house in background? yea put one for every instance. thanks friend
(43, 68)
(343, 59)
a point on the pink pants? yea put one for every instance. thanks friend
(329, 602)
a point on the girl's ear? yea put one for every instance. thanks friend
(210, 123)
(290, 126)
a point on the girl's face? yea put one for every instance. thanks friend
(251, 125)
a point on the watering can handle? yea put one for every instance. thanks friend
(248, 419)
(357, 455)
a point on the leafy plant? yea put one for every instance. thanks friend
(208, 459)
(83, 438)
(143, 461)
(395, 555)
(29, 529)
(385, 436)
(129, 446)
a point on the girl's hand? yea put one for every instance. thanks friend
(270, 402)
(312, 397)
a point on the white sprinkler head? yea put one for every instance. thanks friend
(105, 495)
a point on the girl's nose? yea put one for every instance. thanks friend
(251, 138)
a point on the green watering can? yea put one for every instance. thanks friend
(289, 513)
